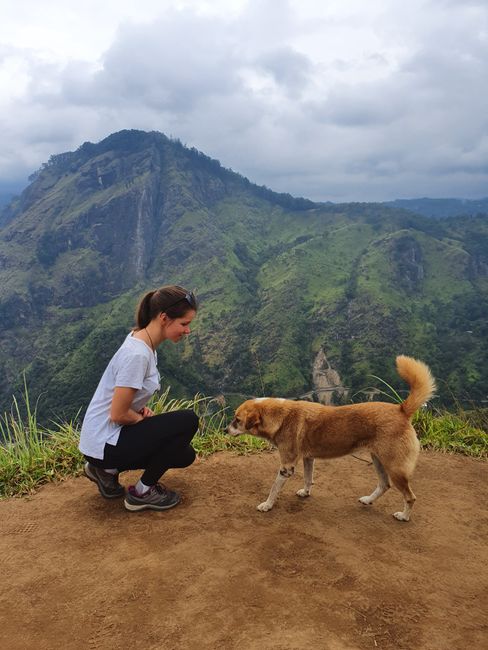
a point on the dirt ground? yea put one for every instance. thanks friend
(79, 571)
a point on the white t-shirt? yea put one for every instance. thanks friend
(134, 365)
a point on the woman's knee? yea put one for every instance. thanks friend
(184, 457)
(193, 421)
(189, 423)
(185, 427)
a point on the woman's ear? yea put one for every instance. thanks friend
(163, 318)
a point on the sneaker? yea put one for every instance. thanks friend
(156, 498)
(108, 484)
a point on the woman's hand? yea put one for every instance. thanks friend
(146, 412)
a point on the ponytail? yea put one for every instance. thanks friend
(173, 300)
(143, 311)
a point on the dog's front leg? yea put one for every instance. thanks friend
(283, 475)
(307, 476)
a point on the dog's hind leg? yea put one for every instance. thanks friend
(307, 477)
(400, 468)
(400, 481)
(284, 473)
(383, 482)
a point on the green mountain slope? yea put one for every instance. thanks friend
(279, 279)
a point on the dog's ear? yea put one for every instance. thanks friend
(252, 420)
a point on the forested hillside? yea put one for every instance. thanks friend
(280, 280)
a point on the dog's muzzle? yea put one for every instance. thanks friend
(232, 431)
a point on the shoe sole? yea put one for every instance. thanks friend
(134, 507)
(101, 488)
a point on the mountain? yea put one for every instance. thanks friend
(441, 208)
(296, 297)
(7, 194)
(5, 198)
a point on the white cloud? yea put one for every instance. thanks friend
(339, 100)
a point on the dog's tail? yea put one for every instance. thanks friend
(419, 378)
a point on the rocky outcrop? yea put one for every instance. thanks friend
(327, 384)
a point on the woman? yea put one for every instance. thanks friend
(119, 432)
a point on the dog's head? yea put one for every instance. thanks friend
(246, 418)
(255, 416)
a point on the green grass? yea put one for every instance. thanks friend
(452, 432)
(461, 432)
(32, 455)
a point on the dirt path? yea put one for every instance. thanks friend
(322, 573)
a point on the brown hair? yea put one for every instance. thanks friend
(173, 300)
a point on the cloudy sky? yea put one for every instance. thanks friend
(339, 100)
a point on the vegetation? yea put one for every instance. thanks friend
(32, 455)
(278, 278)
(453, 432)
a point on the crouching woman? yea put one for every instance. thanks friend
(119, 431)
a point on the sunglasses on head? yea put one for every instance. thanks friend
(190, 299)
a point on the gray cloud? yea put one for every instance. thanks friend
(289, 68)
(402, 114)
(170, 64)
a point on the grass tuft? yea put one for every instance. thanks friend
(451, 432)
(31, 455)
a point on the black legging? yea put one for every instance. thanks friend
(155, 444)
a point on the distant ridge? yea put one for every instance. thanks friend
(442, 208)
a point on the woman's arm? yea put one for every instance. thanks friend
(120, 411)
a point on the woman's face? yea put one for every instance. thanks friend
(175, 329)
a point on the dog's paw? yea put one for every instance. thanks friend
(401, 516)
(265, 506)
(303, 492)
(368, 501)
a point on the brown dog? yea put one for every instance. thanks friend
(309, 430)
